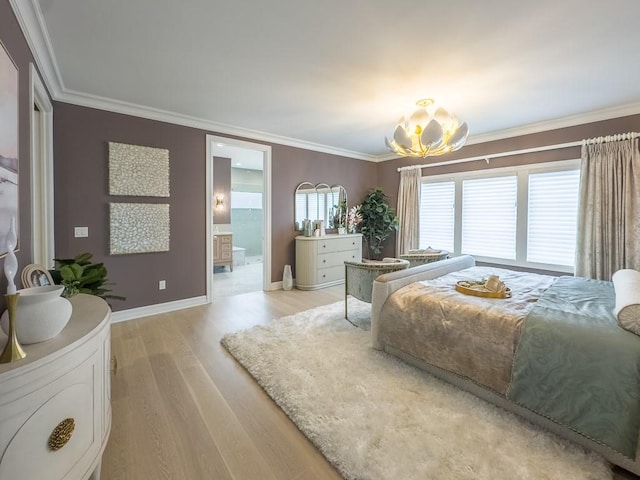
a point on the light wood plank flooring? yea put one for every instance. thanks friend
(183, 408)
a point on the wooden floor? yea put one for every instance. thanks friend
(184, 409)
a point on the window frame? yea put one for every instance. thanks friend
(522, 172)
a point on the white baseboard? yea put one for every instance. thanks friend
(139, 312)
(130, 314)
(278, 285)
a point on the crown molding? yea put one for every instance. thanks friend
(34, 29)
(35, 33)
(127, 108)
(558, 123)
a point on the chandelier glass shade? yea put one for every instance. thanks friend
(429, 131)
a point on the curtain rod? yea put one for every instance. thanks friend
(611, 138)
(495, 155)
(557, 146)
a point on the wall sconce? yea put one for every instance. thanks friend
(219, 201)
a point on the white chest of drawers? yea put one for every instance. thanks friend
(67, 377)
(320, 260)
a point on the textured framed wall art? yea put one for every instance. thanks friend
(8, 146)
(138, 228)
(138, 171)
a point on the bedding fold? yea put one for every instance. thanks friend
(576, 366)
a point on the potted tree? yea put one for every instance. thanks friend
(378, 221)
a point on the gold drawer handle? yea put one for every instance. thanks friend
(114, 365)
(61, 434)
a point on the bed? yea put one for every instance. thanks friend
(552, 353)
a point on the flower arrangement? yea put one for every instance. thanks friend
(354, 218)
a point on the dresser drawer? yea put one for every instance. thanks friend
(330, 274)
(225, 251)
(320, 260)
(338, 245)
(338, 258)
(73, 396)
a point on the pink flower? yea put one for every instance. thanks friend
(354, 218)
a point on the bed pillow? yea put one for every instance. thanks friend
(626, 284)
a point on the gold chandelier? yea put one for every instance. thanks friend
(429, 131)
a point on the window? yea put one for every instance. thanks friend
(523, 216)
(301, 208)
(316, 204)
(489, 217)
(553, 217)
(437, 216)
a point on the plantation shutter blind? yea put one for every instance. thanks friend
(489, 211)
(301, 207)
(437, 215)
(553, 213)
(322, 208)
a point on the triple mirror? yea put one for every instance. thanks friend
(320, 202)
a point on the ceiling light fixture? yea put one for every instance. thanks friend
(430, 131)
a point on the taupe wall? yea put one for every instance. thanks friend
(81, 199)
(80, 143)
(390, 178)
(222, 186)
(15, 44)
(291, 166)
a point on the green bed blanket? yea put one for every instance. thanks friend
(576, 366)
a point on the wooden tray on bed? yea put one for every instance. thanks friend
(478, 290)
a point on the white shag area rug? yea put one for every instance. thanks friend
(376, 417)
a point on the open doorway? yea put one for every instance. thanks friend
(238, 233)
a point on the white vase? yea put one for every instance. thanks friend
(41, 314)
(287, 279)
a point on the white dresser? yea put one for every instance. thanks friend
(63, 383)
(320, 260)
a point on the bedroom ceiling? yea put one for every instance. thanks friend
(336, 75)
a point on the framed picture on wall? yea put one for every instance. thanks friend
(8, 146)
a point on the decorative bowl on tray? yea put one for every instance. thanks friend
(477, 288)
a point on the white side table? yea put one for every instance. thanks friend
(63, 382)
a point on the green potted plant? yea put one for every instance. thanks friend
(79, 275)
(378, 221)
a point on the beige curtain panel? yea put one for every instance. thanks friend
(408, 233)
(609, 214)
